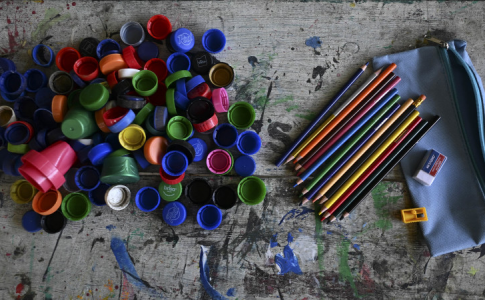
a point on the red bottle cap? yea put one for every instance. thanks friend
(86, 68)
(66, 57)
(159, 98)
(131, 58)
(112, 79)
(157, 66)
(114, 115)
(202, 90)
(206, 125)
(159, 27)
(170, 179)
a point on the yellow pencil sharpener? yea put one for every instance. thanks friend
(412, 215)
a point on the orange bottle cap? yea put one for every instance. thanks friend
(112, 63)
(59, 107)
(98, 115)
(47, 203)
(154, 149)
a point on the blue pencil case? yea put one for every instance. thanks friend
(455, 202)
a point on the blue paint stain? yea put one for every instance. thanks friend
(126, 266)
(290, 237)
(357, 247)
(231, 292)
(94, 267)
(110, 227)
(295, 213)
(204, 276)
(329, 232)
(300, 230)
(289, 263)
(272, 242)
(365, 224)
(314, 42)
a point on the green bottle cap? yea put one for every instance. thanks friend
(79, 123)
(94, 97)
(232, 163)
(170, 192)
(19, 149)
(143, 114)
(73, 99)
(119, 152)
(119, 170)
(251, 190)
(76, 206)
(145, 83)
(170, 102)
(176, 76)
(179, 128)
(241, 115)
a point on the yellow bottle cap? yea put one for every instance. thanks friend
(22, 191)
(132, 137)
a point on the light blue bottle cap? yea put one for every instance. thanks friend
(174, 213)
(182, 40)
(200, 148)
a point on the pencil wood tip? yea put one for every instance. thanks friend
(297, 167)
(378, 71)
(326, 214)
(332, 219)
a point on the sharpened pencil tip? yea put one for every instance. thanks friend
(295, 185)
(366, 64)
(378, 71)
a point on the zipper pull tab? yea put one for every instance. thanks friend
(437, 41)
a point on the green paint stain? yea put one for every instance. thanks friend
(308, 116)
(319, 239)
(344, 270)
(388, 47)
(473, 271)
(51, 18)
(381, 201)
(292, 107)
(282, 100)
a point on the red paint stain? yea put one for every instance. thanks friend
(33, 12)
(9, 21)
(102, 256)
(8, 254)
(73, 4)
(19, 289)
(87, 294)
(368, 282)
(67, 5)
(116, 287)
(17, 8)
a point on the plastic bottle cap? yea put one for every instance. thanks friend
(99, 152)
(115, 115)
(171, 79)
(59, 107)
(66, 57)
(220, 100)
(11, 164)
(151, 128)
(180, 87)
(53, 223)
(193, 82)
(182, 40)
(55, 135)
(200, 110)
(225, 135)
(112, 63)
(19, 149)
(159, 98)
(224, 197)
(159, 27)
(60, 82)
(132, 33)
(79, 123)
(43, 118)
(46, 203)
(154, 149)
(97, 196)
(221, 75)
(76, 206)
(202, 62)
(202, 90)
(6, 65)
(86, 68)
(132, 102)
(36, 79)
(170, 192)
(178, 61)
(24, 108)
(147, 199)
(77, 80)
(118, 197)
(127, 73)
(249, 143)
(179, 128)
(245, 166)
(11, 98)
(120, 152)
(175, 163)
(185, 147)
(131, 58)
(132, 137)
(209, 217)
(12, 83)
(43, 97)
(43, 55)
(198, 191)
(214, 40)
(107, 47)
(143, 114)
(70, 184)
(19, 132)
(140, 158)
(170, 101)
(7, 116)
(31, 221)
(98, 116)
(251, 190)
(160, 118)
(200, 148)
(206, 125)
(219, 161)
(170, 179)
(157, 66)
(145, 83)
(147, 50)
(22, 192)
(88, 46)
(174, 213)
(94, 97)
(112, 79)
(119, 169)
(241, 115)
(123, 87)
(87, 178)
(181, 101)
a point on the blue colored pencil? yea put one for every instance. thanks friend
(321, 115)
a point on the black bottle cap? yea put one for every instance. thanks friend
(224, 197)
(122, 87)
(53, 223)
(202, 62)
(88, 47)
(169, 44)
(199, 110)
(184, 147)
(198, 191)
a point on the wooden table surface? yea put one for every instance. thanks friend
(372, 255)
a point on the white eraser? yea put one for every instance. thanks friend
(429, 167)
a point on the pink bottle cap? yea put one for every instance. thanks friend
(219, 161)
(220, 100)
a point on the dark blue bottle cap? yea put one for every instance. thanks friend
(53, 223)
(113, 140)
(76, 145)
(178, 61)
(131, 101)
(11, 164)
(99, 153)
(123, 123)
(225, 135)
(3, 155)
(209, 217)
(55, 135)
(249, 143)
(11, 98)
(70, 185)
(213, 40)
(245, 166)
(31, 221)
(174, 213)
(3, 141)
(97, 195)
(41, 137)
(43, 55)
(36, 79)
(24, 108)
(98, 80)
(160, 117)
(175, 163)
(180, 87)
(6, 65)
(147, 50)
(181, 101)
(200, 148)
(12, 83)
(77, 80)
(97, 138)
(193, 82)
(147, 199)
(87, 178)
(43, 98)
(183, 146)
(82, 154)
(140, 158)
(17, 133)
(182, 40)
(107, 47)
(43, 118)
(34, 145)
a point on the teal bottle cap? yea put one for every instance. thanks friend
(251, 190)
(241, 115)
(170, 192)
(179, 128)
(76, 206)
(94, 97)
(119, 170)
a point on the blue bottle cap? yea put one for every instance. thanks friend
(98, 80)
(193, 82)
(43, 98)
(77, 80)
(34, 145)
(150, 126)
(123, 123)
(76, 145)
(182, 40)
(43, 55)
(209, 217)
(107, 47)
(113, 140)
(11, 164)
(147, 199)
(87, 178)
(97, 195)
(130, 101)
(24, 108)
(41, 137)
(36, 79)
(160, 118)
(249, 143)
(70, 185)
(178, 61)
(181, 101)
(245, 166)
(213, 40)
(3, 155)
(140, 158)
(82, 154)
(200, 148)
(147, 50)
(180, 87)
(99, 153)
(43, 118)
(175, 163)
(3, 141)
(17, 134)
(12, 83)
(97, 138)
(174, 213)
(55, 135)
(225, 135)
(6, 65)
(31, 221)
(11, 98)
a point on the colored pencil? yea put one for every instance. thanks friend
(345, 121)
(321, 114)
(351, 123)
(385, 170)
(394, 136)
(347, 110)
(345, 176)
(372, 168)
(332, 116)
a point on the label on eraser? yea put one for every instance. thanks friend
(429, 167)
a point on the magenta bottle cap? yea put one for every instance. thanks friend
(219, 161)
